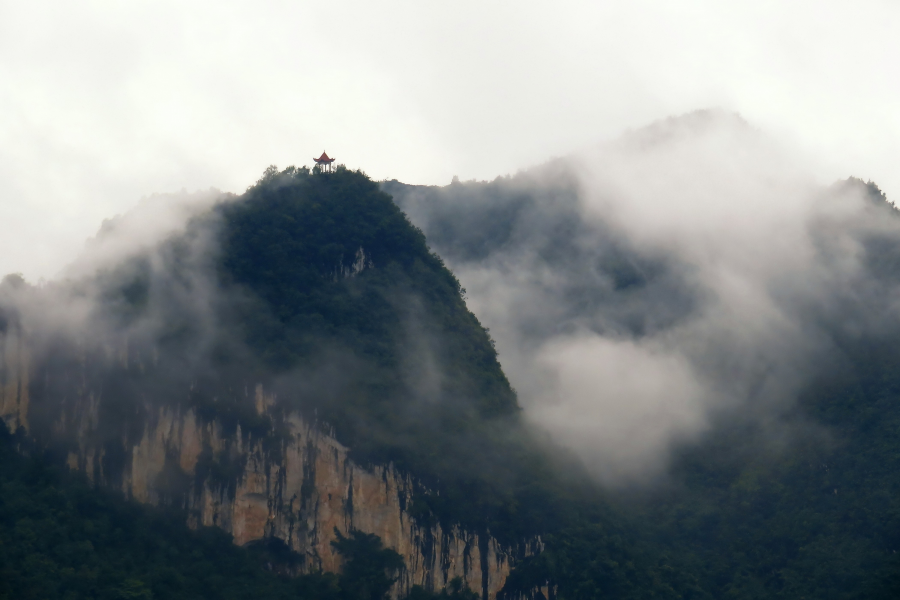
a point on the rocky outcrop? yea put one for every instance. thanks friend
(14, 378)
(294, 482)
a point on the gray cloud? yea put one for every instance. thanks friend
(644, 289)
(637, 292)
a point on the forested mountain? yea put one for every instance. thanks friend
(316, 289)
(793, 499)
(306, 340)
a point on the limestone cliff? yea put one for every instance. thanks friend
(14, 379)
(296, 484)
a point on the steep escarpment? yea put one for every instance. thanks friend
(299, 486)
(287, 364)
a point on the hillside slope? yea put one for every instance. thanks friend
(795, 500)
(296, 359)
(289, 361)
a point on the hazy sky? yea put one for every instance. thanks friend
(104, 102)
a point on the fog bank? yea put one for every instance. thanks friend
(687, 272)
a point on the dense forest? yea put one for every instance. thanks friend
(808, 511)
(324, 273)
(422, 386)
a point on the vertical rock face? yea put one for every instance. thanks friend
(14, 379)
(298, 485)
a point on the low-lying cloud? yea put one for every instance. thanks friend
(640, 291)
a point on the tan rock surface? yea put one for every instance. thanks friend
(301, 496)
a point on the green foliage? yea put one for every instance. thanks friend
(455, 590)
(370, 570)
(819, 518)
(335, 262)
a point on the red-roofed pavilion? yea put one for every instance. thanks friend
(324, 162)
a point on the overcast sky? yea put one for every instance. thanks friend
(104, 102)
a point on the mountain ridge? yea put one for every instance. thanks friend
(276, 370)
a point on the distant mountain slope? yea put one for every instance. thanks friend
(799, 502)
(532, 227)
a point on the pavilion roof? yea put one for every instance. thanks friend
(324, 159)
